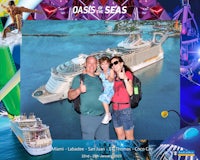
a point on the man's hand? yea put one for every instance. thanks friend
(82, 87)
(74, 93)
(3, 6)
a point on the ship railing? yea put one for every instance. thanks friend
(35, 128)
(125, 50)
(43, 142)
(23, 117)
(31, 116)
(70, 68)
(26, 124)
(39, 143)
(35, 140)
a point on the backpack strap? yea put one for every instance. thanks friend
(82, 77)
(77, 100)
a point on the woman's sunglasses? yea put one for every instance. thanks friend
(114, 63)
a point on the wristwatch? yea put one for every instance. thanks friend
(126, 80)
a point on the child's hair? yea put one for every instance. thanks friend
(102, 59)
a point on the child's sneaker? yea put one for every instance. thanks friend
(106, 118)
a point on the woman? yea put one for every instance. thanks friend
(123, 89)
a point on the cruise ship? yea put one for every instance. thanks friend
(145, 54)
(134, 42)
(32, 134)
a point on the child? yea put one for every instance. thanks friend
(107, 77)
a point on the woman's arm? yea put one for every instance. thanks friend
(127, 78)
(129, 85)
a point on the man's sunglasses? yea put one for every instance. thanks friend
(114, 63)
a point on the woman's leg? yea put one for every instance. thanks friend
(129, 134)
(120, 133)
(127, 121)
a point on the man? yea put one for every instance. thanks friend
(92, 111)
(16, 17)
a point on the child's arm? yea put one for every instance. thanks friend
(111, 77)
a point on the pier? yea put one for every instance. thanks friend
(112, 33)
(163, 36)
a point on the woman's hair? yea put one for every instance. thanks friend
(104, 58)
(121, 60)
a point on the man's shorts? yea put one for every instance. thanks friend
(12, 26)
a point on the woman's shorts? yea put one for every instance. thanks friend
(123, 118)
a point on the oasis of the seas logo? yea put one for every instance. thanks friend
(99, 9)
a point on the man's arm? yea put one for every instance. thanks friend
(23, 9)
(4, 7)
(74, 93)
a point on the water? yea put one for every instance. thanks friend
(160, 84)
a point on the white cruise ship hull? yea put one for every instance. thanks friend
(35, 151)
(51, 97)
(148, 62)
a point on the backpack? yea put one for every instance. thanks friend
(77, 101)
(137, 92)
